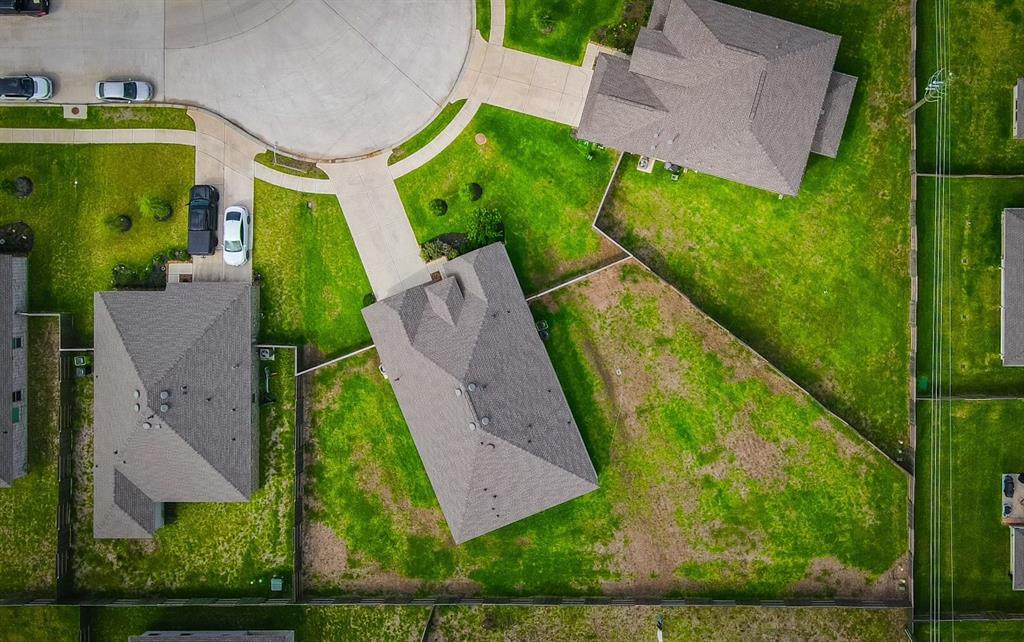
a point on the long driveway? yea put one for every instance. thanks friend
(321, 78)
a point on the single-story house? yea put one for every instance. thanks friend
(480, 395)
(723, 91)
(175, 407)
(1011, 336)
(214, 636)
(13, 368)
(1017, 557)
(1018, 109)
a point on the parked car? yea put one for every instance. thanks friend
(124, 91)
(202, 220)
(237, 235)
(1008, 485)
(24, 7)
(25, 88)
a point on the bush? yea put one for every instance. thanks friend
(435, 249)
(21, 187)
(485, 227)
(119, 223)
(156, 207)
(472, 191)
(438, 207)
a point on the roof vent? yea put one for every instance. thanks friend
(485, 420)
(147, 425)
(165, 394)
(472, 425)
(137, 407)
(136, 394)
(471, 386)
(458, 392)
(164, 407)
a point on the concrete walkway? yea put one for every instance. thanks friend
(294, 183)
(425, 154)
(497, 36)
(380, 228)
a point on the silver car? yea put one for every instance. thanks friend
(124, 91)
(25, 88)
(237, 235)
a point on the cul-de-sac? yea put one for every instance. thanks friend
(511, 320)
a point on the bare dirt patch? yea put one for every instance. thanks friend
(829, 576)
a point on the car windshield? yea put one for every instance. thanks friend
(233, 246)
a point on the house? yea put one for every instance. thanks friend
(1018, 110)
(1017, 557)
(1011, 336)
(1013, 516)
(14, 371)
(724, 91)
(174, 402)
(480, 395)
(214, 636)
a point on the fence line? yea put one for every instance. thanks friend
(911, 449)
(582, 277)
(335, 360)
(927, 175)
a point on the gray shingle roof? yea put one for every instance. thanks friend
(190, 433)
(1018, 109)
(721, 90)
(13, 368)
(833, 114)
(214, 636)
(480, 396)
(1012, 304)
(1017, 557)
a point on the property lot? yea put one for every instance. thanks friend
(310, 624)
(313, 284)
(28, 509)
(972, 280)
(39, 624)
(536, 175)
(980, 98)
(717, 476)
(817, 283)
(78, 190)
(627, 624)
(975, 561)
(220, 550)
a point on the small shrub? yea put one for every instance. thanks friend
(438, 207)
(23, 187)
(472, 191)
(485, 227)
(155, 207)
(119, 223)
(435, 249)
(543, 21)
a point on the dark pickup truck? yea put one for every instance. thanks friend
(24, 7)
(202, 220)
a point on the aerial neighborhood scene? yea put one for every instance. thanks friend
(511, 320)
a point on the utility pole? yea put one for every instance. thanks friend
(934, 91)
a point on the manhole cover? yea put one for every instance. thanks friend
(480, 139)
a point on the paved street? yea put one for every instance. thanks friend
(322, 78)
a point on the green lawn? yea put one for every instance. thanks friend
(558, 29)
(980, 96)
(819, 283)
(717, 477)
(28, 509)
(77, 188)
(313, 284)
(210, 549)
(428, 133)
(975, 563)
(108, 117)
(289, 165)
(39, 623)
(629, 624)
(483, 18)
(536, 175)
(972, 281)
(310, 623)
(971, 631)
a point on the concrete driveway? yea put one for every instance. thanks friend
(321, 78)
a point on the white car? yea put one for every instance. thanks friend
(25, 88)
(237, 235)
(124, 91)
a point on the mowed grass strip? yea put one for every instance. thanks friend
(309, 623)
(717, 477)
(966, 631)
(313, 284)
(28, 509)
(626, 624)
(974, 564)
(979, 97)
(97, 117)
(208, 549)
(819, 283)
(428, 133)
(77, 189)
(558, 29)
(535, 174)
(972, 281)
(49, 623)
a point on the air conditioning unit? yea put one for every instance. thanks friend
(266, 354)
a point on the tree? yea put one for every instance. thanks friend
(436, 248)
(156, 207)
(119, 223)
(485, 227)
(438, 207)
